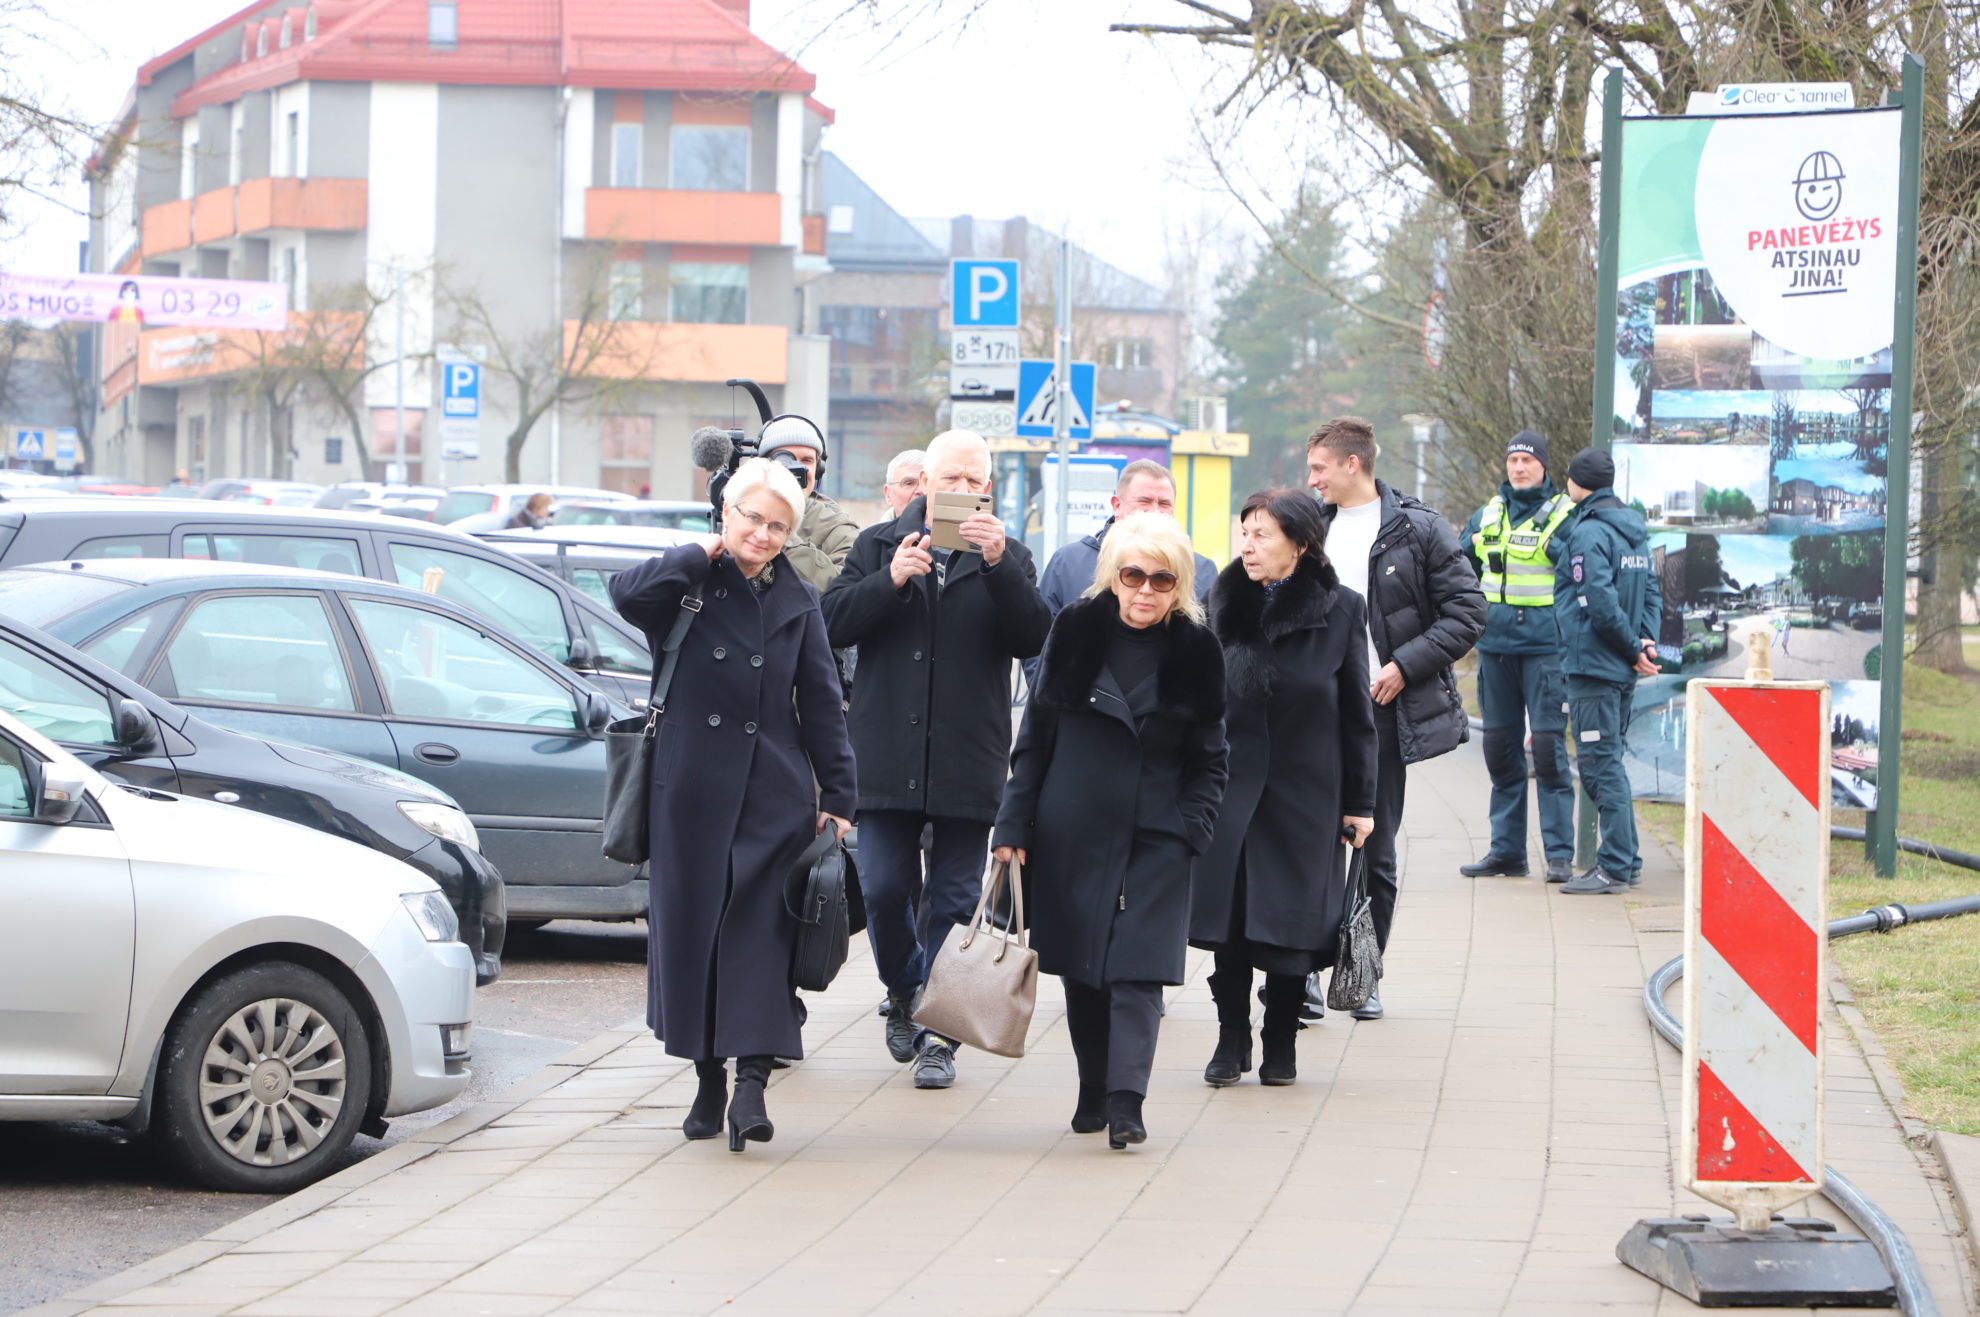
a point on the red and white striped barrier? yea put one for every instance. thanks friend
(1756, 893)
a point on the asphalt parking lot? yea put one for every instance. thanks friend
(79, 1201)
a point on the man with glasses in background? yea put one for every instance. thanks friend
(903, 484)
(937, 631)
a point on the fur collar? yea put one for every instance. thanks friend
(1188, 681)
(1248, 621)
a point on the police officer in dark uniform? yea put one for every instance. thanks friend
(1513, 542)
(1608, 610)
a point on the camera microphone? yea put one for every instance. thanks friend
(711, 448)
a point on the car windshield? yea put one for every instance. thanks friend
(41, 597)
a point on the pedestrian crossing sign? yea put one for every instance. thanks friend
(1038, 400)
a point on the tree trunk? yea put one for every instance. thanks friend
(1941, 645)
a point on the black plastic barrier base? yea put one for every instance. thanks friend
(1798, 1262)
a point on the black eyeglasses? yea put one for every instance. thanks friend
(1134, 578)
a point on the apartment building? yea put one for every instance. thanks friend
(611, 207)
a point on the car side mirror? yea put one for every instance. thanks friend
(61, 795)
(136, 729)
(597, 713)
(583, 653)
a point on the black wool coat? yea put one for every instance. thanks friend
(753, 717)
(1425, 612)
(1113, 793)
(1302, 734)
(931, 711)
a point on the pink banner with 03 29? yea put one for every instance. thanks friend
(142, 299)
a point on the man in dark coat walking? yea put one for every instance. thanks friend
(931, 722)
(1425, 612)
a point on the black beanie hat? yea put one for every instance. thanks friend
(1530, 442)
(1592, 469)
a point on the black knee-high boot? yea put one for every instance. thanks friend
(1230, 987)
(1283, 994)
(748, 1120)
(704, 1118)
(1086, 1024)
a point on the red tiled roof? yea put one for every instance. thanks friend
(654, 45)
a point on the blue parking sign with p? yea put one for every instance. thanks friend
(984, 294)
(460, 393)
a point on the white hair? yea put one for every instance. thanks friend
(904, 459)
(963, 440)
(771, 477)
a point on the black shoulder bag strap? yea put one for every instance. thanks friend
(670, 658)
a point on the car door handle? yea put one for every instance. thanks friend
(433, 752)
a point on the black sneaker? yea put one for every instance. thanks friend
(901, 1031)
(1559, 871)
(1496, 866)
(935, 1064)
(1595, 883)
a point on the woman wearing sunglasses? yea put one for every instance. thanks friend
(1114, 786)
(1270, 891)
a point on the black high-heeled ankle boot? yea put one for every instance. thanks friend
(1280, 1065)
(748, 1120)
(704, 1117)
(1124, 1119)
(1232, 1059)
(1090, 1114)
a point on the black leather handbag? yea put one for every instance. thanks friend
(1358, 957)
(822, 894)
(629, 753)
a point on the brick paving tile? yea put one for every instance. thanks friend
(1481, 1150)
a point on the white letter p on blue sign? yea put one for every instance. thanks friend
(984, 294)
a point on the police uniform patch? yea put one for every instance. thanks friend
(1575, 568)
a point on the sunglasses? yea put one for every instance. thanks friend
(1134, 578)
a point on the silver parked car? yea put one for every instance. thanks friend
(250, 992)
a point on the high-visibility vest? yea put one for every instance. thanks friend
(1528, 578)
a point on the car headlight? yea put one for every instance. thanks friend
(443, 821)
(434, 916)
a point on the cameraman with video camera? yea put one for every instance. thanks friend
(825, 535)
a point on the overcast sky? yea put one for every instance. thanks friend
(1033, 108)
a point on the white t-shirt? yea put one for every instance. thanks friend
(1349, 540)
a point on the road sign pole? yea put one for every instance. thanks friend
(1062, 405)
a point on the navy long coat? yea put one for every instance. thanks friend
(753, 716)
(1112, 794)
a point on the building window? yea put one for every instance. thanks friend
(333, 452)
(188, 160)
(628, 141)
(261, 40)
(711, 157)
(626, 295)
(709, 294)
(286, 37)
(442, 23)
(309, 24)
(292, 143)
(1130, 354)
(237, 146)
(625, 453)
(247, 43)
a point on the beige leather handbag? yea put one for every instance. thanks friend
(983, 983)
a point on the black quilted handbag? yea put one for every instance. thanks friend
(1358, 958)
(822, 894)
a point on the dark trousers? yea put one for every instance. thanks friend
(1113, 1034)
(1379, 859)
(1515, 692)
(907, 917)
(1601, 717)
(1230, 988)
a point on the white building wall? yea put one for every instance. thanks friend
(580, 130)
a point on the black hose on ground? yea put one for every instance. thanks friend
(1913, 1294)
(1964, 859)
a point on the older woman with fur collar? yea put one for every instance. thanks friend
(1270, 890)
(1114, 786)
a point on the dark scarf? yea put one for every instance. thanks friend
(1187, 684)
(1249, 618)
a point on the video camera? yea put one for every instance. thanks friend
(720, 451)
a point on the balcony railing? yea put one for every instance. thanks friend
(614, 214)
(697, 354)
(333, 204)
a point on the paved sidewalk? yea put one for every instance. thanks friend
(1481, 1150)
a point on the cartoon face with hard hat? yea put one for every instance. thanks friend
(1818, 186)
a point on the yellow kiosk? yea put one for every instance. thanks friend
(1201, 462)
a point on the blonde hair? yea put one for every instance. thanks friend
(762, 473)
(1150, 535)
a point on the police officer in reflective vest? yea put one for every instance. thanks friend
(1512, 542)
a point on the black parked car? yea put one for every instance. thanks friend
(557, 620)
(375, 671)
(132, 735)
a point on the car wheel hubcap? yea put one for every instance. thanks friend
(273, 1081)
